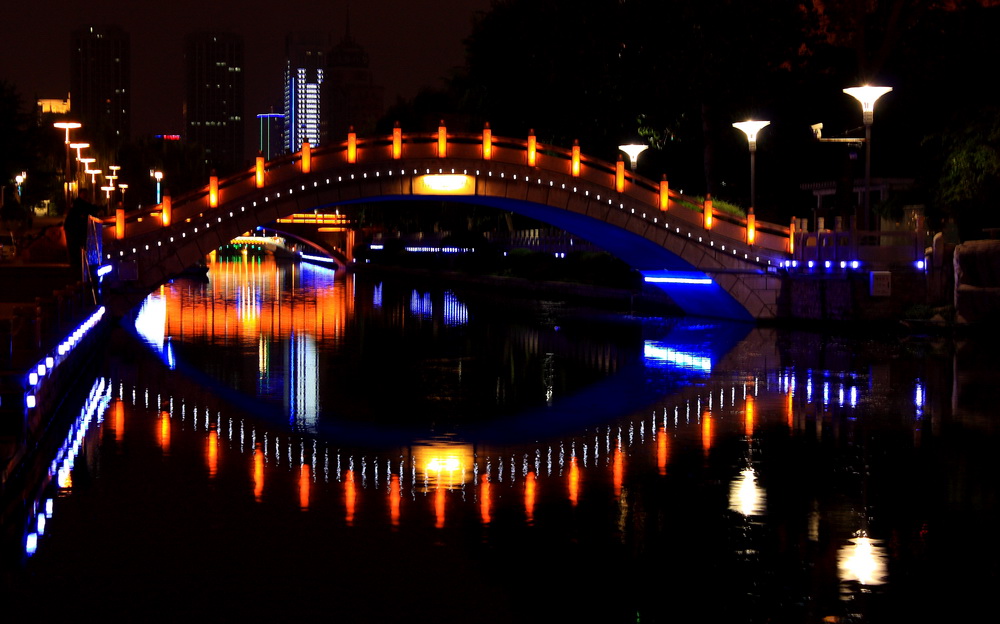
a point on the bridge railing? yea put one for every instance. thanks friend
(442, 145)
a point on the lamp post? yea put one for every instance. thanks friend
(19, 179)
(867, 95)
(86, 166)
(67, 126)
(633, 150)
(751, 129)
(158, 176)
(123, 187)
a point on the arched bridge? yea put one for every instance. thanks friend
(709, 263)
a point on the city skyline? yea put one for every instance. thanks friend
(35, 57)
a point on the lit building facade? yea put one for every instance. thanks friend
(214, 99)
(305, 58)
(100, 82)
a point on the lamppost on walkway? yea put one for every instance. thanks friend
(867, 95)
(158, 176)
(751, 129)
(67, 126)
(633, 150)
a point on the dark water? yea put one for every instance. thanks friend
(283, 443)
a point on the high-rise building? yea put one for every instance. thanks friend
(305, 62)
(100, 83)
(214, 101)
(350, 95)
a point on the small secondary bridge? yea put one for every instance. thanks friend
(710, 264)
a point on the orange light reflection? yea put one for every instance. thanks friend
(484, 499)
(574, 481)
(258, 473)
(304, 486)
(350, 497)
(662, 451)
(165, 432)
(212, 452)
(529, 497)
(395, 497)
(618, 470)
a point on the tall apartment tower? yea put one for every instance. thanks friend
(305, 62)
(100, 83)
(214, 99)
(350, 95)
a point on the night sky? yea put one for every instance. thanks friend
(411, 44)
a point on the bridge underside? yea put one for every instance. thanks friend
(690, 288)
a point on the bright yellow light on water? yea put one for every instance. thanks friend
(444, 184)
(443, 464)
(862, 560)
(745, 494)
(446, 463)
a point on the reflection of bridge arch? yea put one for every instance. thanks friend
(710, 264)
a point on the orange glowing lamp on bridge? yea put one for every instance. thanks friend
(213, 190)
(397, 142)
(487, 142)
(532, 149)
(442, 140)
(575, 166)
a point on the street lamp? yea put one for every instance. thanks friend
(751, 129)
(633, 150)
(123, 187)
(86, 165)
(158, 175)
(867, 95)
(67, 126)
(19, 179)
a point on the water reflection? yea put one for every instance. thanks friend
(805, 491)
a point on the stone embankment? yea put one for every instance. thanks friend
(977, 282)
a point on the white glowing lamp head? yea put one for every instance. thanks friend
(633, 150)
(751, 128)
(867, 95)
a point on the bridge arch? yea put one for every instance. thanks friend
(710, 264)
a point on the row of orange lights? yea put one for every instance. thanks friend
(305, 163)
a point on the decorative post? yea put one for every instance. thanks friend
(165, 210)
(306, 157)
(119, 223)
(259, 171)
(751, 227)
(397, 142)
(575, 168)
(664, 194)
(791, 236)
(213, 190)
(352, 146)
(532, 148)
(487, 142)
(708, 211)
(442, 140)
(620, 175)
